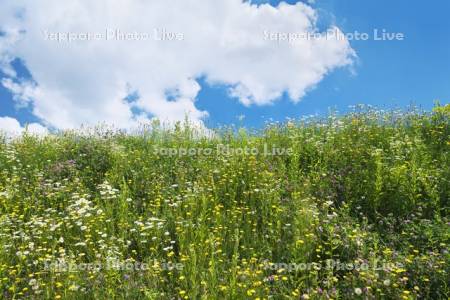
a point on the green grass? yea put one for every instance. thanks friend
(368, 191)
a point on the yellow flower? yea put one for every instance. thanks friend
(399, 270)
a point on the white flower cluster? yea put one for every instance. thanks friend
(82, 208)
(107, 191)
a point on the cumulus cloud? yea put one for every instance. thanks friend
(12, 127)
(222, 41)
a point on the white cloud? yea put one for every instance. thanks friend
(85, 82)
(12, 127)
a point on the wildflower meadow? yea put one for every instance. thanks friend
(350, 206)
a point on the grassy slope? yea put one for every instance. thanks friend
(369, 187)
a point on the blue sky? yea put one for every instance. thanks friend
(387, 74)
